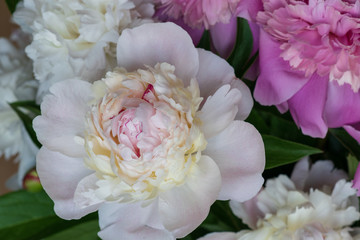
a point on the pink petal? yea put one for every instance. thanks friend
(60, 175)
(154, 43)
(223, 37)
(240, 155)
(131, 221)
(307, 106)
(248, 9)
(219, 236)
(183, 208)
(63, 114)
(354, 131)
(342, 105)
(277, 81)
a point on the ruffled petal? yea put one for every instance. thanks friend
(146, 45)
(60, 175)
(307, 106)
(63, 115)
(183, 208)
(131, 221)
(240, 154)
(342, 105)
(277, 81)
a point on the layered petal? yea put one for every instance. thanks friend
(134, 53)
(184, 208)
(63, 116)
(60, 184)
(239, 152)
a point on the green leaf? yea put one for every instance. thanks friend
(205, 41)
(27, 116)
(12, 4)
(352, 165)
(280, 152)
(239, 57)
(30, 216)
(83, 231)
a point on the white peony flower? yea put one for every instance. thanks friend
(291, 209)
(16, 84)
(154, 143)
(76, 38)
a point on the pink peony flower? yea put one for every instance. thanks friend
(309, 62)
(218, 16)
(154, 143)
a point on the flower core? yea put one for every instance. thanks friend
(142, 134)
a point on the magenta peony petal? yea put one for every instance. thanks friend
(307, 106)
(342, 105)
(223, 37)
(277, 81)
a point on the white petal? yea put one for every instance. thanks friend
(152, 43)
(131, 221)
(246, 102)
(60, 175)
(63, 116)
(239, 153)
(184, 208)
(219, 110)
(213, 73)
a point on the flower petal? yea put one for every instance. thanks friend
(60, 175)
(277, 81)
(338, 113)
(223, 37)
(354, 131)
(131, 221)
(146, 45)
(307, 106)
(219, 236)
(63, 114)
(213, 73)
(240, 155)
(183, 208)
(219, 110)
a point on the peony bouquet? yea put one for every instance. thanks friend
(181, 119)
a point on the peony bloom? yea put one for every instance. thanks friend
(310, 61)
(218, 16)
(76, 38)
(16, 84)
(154, 143)
(316, 203)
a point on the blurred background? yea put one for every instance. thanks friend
(7, 167)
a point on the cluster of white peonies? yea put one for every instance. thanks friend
(317, 203)
(154, 143)
(16, 84)
(76, 38)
